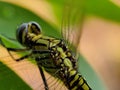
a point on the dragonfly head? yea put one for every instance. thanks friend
(25, 28)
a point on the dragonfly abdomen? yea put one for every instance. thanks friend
(76, 81)
(68, 72)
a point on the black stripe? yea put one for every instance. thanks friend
(79, 88)
(35, 43)
(41, 51)
(39, 44)
(75, 82)
(84, 82)
(70, 78)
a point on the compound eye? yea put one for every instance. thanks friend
(35, 28)
(21, 31)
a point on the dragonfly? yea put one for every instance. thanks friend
(53, 55)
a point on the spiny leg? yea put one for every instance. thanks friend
(18, 50)
(41, 71)
(23, 50)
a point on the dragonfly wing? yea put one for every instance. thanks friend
(72, 22)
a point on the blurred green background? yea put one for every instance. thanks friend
(48, 14)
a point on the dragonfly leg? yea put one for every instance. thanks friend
(23, 57)
(43, 77)
(16, 50)
(41, 71)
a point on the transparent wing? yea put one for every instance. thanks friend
(72, 22)
(24, 71)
